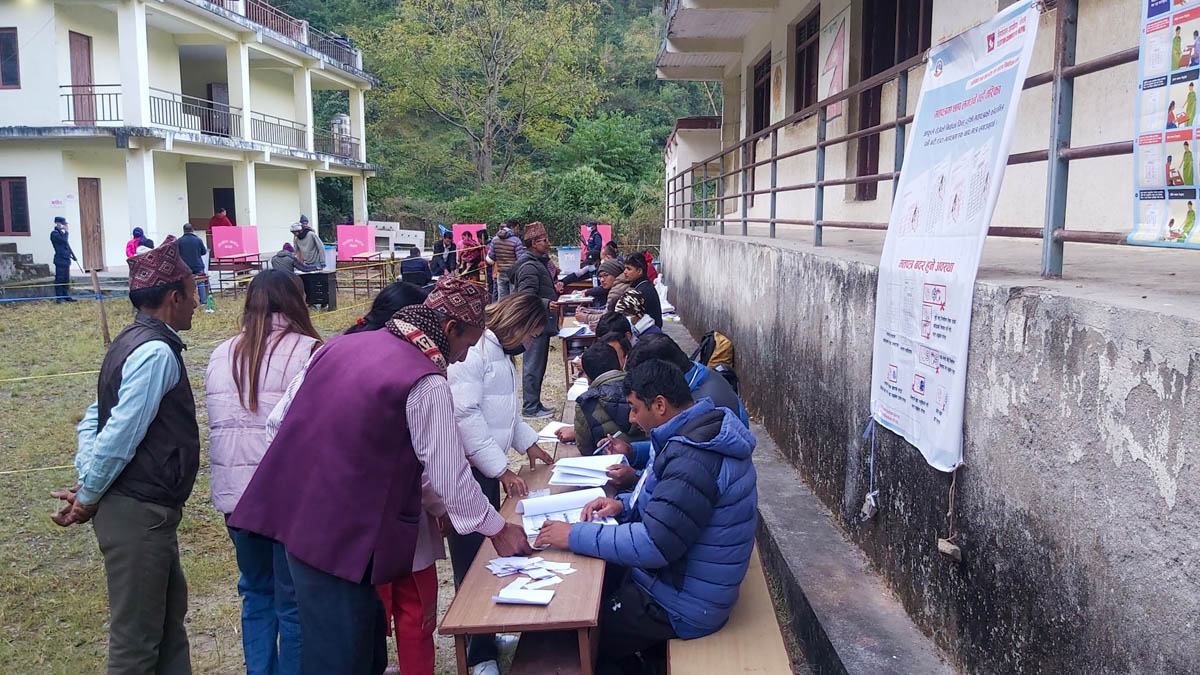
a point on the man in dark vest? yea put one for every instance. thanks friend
(341, 484)
(503, 250)
(139, 449)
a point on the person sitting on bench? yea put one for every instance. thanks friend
(602, 410)
(685, 533)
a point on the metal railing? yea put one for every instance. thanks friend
(334, 46)
(269, 17)
(189, 113)
(692, 193)
(278, 131)
(86, 105)
(338, 145)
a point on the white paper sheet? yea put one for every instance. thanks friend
(544, 583)
(547, 432)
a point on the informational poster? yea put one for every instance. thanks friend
(957, 152)
(835, 60)
(1165, 160)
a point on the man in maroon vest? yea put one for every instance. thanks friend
(340, 485)
(139, 449)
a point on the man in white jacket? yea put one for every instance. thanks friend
(486, 404)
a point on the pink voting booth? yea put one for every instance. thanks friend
(234, 241)
(459, 228)
(353, 240)
(605, 233)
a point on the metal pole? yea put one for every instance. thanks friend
(1062, 105)
(819, 198)
(721, 192)
(745, 182)
(901, 111)
(704, 196)
(100, 304)
(774, 175)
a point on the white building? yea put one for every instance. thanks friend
(132, 113)
(777, 59)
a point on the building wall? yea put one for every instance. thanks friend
(107, 164)
(200, 181)
(99, 24)
(1099, 196)
(49, 195)
(278, 205)
(38, 97)
(271, 92)
(1076, 507)
(197, 74)
(164, 61)
(170, 183)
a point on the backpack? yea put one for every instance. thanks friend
(716, 352)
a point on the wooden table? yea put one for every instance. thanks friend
(576, 604)
(572, 347)
(566, 305)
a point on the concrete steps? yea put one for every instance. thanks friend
(17, 266)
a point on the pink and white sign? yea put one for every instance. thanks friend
(234, 241)
(605, 234)
(353, 240)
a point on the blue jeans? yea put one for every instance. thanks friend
(269, 613)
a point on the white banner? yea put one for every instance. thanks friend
(954, 164)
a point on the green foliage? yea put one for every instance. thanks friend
(615, 146)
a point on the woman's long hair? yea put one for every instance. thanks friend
(271, 292)
(517, 317)
(390, 300)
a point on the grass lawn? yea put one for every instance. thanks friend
(53, 605)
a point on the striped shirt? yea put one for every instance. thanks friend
(435, 439)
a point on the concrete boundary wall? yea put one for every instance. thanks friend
(1077, 511)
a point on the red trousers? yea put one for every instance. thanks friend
(411, 605)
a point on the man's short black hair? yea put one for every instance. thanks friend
(599, 359)
(447, 234)
(613, 322)
(655, 378)
(658, 346)
(153, 297)
(618, 338)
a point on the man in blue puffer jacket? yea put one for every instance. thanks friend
(687, 529)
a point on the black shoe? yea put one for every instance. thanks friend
(68, 299)
(538, 413)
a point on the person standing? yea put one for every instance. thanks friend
(192, 250)
(484, 386)
(594, 243)
(246, 376)
(531, 274)
(340, 485)
(63, 255)
(470, 257)
(219, 219)
(138, 454)
(310, 250)
(138, 241)
(504, 250)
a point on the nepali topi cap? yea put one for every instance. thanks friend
(458, 299)
(158, 267)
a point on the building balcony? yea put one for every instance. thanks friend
(189, 113)
(264, 14)
(338, 145)
(91, 105)
(278, 131)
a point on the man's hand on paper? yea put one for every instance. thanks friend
(622, 476)
(510, 541)
(554, 533)
(565, 435)
(535, 452)
(513, 485)
(601, 507)
(616, 446)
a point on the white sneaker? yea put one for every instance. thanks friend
(208, 311)
(486, 668)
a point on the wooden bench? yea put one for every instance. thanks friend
(750, 642)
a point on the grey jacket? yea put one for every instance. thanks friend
(532, 275)
(287, 262)
(310, 249)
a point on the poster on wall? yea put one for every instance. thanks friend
(835, 60)
(957, 152)
(1165, 151)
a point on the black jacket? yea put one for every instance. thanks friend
(531, 274)
(191, 250)
(444, 258)
(653, 306)
(63, 255)
(594, 243)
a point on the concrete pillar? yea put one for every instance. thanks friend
(245, 193)
(237, 71)
(135, 63)
(302, 91)
(308, 195)
(359, 188)
(358, 127)
(141, 193)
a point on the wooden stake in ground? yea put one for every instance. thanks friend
(100, 302)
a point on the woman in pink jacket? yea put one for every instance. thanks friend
(246, 377)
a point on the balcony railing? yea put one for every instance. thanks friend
(259, 11)
(338, 145)
(265, 15)
(87, 105)
(334, 46)
(278, 131)
(189, 113)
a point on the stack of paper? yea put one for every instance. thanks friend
(578, 387)
(535, 567)
(567, 507)
(517, 593)
(575, 331)
(591, 471)
(547, 432)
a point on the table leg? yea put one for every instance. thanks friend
(460, 653)
(588, 637)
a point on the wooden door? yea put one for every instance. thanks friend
(223, 199)
(91, 225)
(83, 103)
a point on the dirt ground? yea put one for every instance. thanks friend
(53, 607)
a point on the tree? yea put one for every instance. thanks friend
(503, 73)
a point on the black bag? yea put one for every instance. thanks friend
(716, 351)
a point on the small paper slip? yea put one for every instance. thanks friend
(547, 432)
(556, 565)
(538, 573)
(573, 570)
(577, 389)
(574, 331)
(566, 507)
(523, 596)
(544, 583)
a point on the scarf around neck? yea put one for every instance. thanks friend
(421, 327)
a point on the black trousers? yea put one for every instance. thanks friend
(343, 626)
(62, 280)
(634, 629)
(463, 548)
(533, 371)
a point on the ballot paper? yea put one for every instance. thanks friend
(589, 471)
(567, 507)
(547, 432)
(517, 594)
(574, 331)
(577, 389)
(544, 583)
